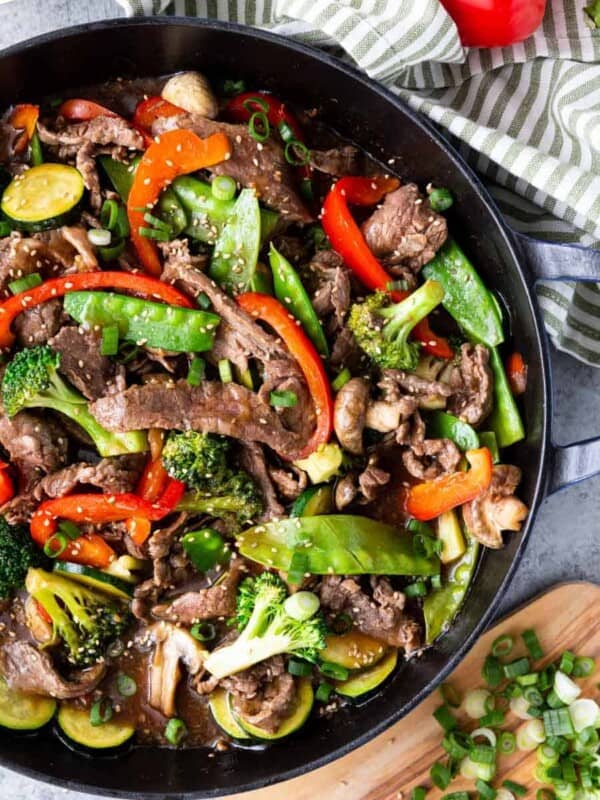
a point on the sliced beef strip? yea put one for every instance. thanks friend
(361, 487)
(82, 363)
(423, 458)
(290, 482)
(333, 294)
(381, 616)
(215, 602)
(212, 407)
(338, 161)
(116, 475)
(20, 509)
(258, 165)
(346, 351)
(263, 695)
(252, 459)
(472, 385)
(404, 229)
(395, 383)
(38, 324)
(283, 375)
(86, 164)
(36, 444)
(31, 671)
(99, 131)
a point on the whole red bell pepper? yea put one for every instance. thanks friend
(24, 117)
(271, 311)
(143, 285)
(347, 239)
(495, 23)
(77, 109)
(428, 500)
(177, 152)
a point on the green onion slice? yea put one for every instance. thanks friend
(56, 545)
(25, 283)
(109, 345)
(101, 711)
(126, 685)
(502, 646)
(203, 631)
(259, 126)
(196, 371)
(175, 731)
(283, 399)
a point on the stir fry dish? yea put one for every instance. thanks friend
(256, 402)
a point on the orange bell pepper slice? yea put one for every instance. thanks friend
(24, 117)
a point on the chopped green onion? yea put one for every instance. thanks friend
(25, 283)
(341, 379)
(586, 736)
(196, 371)
(440, 775)
(507, 742)
(35, 150)
(203, 301)
(557, 743)
(492, 718)
(425, 545)
(5, 228)
(483, 754)
(583, 667)
(492, 672)
(456, 796)
(535, 711)
(517, 788)
(175, 731)
(557, 722)
(223, 187)
(291, 151)
(70, 530)
(533, 696)
(441, 199)
(256, 101)
(566, 690)
(259, 126)
(299, 668)
(334, 671)
(553, 700)
(486, 733)
(416, 589)
(101, 712)
(285, 131)
(112, 252)
(109, 346)
(457, 744)
(204, 631)
(53, 551)
(225, 372)
(546, 677)
(567, 662)
(475, 702)
(109, 214)
(154, 233)
(545, 794)
(301, 605)
(547, 756)
(416, 526)
(529, 679)
(283, 399)
(502, 646)
(519, 666)
(445, 718)
(126, 686)
(298, 568)
(397, 286)
(486, 791)
(157, 222)
(99, 237)
(569, 773)
(450, 695)
(532, 644)
(564, 790)
(323, 692)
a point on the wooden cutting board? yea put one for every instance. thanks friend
(566, 617)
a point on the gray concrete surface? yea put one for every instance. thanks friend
(565, 541)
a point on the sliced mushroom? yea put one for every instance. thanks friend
(174, 646)
(497, 509)
(349, 414)
(191, 91)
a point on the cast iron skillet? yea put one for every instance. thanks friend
(509, 263)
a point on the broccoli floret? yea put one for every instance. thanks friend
(85, 619)
(31, 380)
(17, 553)
(197, 459)
(236, 499)
(382, 328)
(266, 629)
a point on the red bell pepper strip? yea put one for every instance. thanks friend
(516, 370)
(7, 486)
(24, 117)
(176, 153)
(495, 23)
(346, 238)
(77, 109)
(271, 311)
(147, 287)
(155, 485)
(148, 111)
(428, 500)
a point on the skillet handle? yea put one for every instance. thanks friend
(549, 261)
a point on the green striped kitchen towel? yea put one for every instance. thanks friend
(527, 117)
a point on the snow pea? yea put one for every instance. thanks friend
(441, 425)
(336, 544)
(235, 255)
(466, 297)
(505, 419)
(290, 291)
(206, 548)
(488, 439)
(441, 606)
(171, 211)
(180, 330)
(121, 175)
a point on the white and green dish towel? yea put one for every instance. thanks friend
(526, 117)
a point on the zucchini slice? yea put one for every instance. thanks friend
(353, 650)
(220, 708)
(96, 578)
(75, 723)
(302, 706)
(314, 501)
(24, 712)
(368, 679)
(43, 197)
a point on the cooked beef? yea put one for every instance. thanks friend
(8, 137)
(215, 602)
(252, 459)
(381, 616)
(290, 482)
(82, 363)
(395, 383)
(473, 385)
(292, 247)
(346, 352)
(263, 695)
(258, 165)
(99, 131)
(86, 164)
(404, 229)
(38, 324)
(371, 481)
(36, 444)
(114, 475)
(283, 375)
(332, 296)
(212, 407)
(339, 161)
(423, 458)
(19, 510)
(497, 509)
(31, 671)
